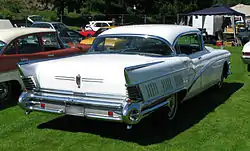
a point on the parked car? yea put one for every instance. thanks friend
(87, 33)
(21, 44)
(62, 29)
(53, 25)
(149, 67)
(89, 41)
(95, 25)
(246, 55)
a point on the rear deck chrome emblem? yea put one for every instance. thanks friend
(78, 80)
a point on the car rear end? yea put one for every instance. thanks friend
(246, 55)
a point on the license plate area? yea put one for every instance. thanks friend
(74, 110)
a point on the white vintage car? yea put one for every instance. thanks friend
(246, 55)
(129, 72)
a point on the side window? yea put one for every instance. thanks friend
(28, 45)
(50, 41)
(188, 44)
(98, 25)
(10, 49)
(104, 24)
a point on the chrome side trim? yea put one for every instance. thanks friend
(200, 73)
(82, 79)
(92, 80)
(42, 110)
(169, 73)
(105, 118)
(142, 66)
(65, 78)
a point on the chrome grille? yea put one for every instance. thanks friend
(133, 93)
(29, 83)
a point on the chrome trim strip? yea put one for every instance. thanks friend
(65, 78)
(80, 94)
(201, 71)
(46, 110)
(141, 66)
(74, 100)
(106, 118)
(92, 80)
(147, 111)
(140, 82)
(46, 59)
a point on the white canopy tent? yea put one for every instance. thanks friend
(244, 9)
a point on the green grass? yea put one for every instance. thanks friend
(214, 120)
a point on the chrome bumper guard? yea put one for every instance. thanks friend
(94, 108)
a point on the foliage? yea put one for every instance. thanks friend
(17, 8)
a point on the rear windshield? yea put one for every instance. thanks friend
(130, 44)
(99, 31)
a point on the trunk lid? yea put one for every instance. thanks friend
(102, 73)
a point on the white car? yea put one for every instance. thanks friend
(130, 72)
(246, 55)
(95, 25)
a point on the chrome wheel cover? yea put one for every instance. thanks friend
(4, 90)
(172, 105)
(219, 85)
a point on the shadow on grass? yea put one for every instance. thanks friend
(155, 128)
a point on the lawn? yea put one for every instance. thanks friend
(214, 120)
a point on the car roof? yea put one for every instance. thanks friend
(7, 35)
(168, 32)
(43, 22)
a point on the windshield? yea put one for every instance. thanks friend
(59, 26)
(2, 45)
(131, 44)
(99, 31)
(36, 18)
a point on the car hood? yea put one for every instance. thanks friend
(88, 41)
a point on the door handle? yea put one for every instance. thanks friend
(24, 59)
(199, 58)
(51, 55)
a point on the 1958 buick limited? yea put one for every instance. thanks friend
(144, 68)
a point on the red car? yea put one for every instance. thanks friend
(87, 33)
(22, 44)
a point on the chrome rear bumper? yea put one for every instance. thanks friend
(95, 108)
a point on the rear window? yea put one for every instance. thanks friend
(41, 25)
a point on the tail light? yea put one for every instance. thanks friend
(133, 93)
(246, 53)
